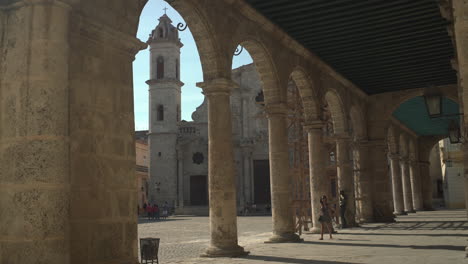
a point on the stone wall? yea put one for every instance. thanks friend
(34, 139)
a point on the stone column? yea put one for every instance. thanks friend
(247, 156)
(222, 182)
(317, 166)
(280, 178)
(346, 179)
(415, 185)
(426, 184)
(364, 199)
(406, 186)
(396, 185)
(34, 133)
(180, 175)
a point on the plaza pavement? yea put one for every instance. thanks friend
(437, 237)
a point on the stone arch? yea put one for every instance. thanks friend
(202, 32)
(308, 94)
(335, 106)
(266, 70)
(358, 123)
(392, 140)
(403, 145)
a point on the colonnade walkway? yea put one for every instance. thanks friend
(423, 237)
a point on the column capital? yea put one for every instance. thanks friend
(343, 137)
(315, 125)
(220, 86)
(424, 163)
(394, 156)
(276, 109)
(403, 159)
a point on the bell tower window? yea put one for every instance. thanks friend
(160, 68)
(160, 113)
(160, 33)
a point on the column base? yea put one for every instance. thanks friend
(466, 252)
(285, 238)
(215, 252)
(314, 230)
(399, 213)
(366, 220)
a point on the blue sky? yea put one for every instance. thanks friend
(190, 66)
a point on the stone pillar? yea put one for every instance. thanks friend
(222, 182)
(426, 184)
(363, 183)
(280, 178)
(180, 176)
(415, 185)
(346, 178)
(247, 186)
(396, 185)
(34, 133)
(317, 166)
(406, 186)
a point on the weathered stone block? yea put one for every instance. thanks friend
(37, 252)
(35, 161)
(33, 213)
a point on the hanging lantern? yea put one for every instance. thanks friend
(433, 105)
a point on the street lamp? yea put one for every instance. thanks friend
(454, 132)
(433, 105)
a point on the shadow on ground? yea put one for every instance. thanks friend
(146, 221)
(403, 234)
(432, 247)
(291, 260)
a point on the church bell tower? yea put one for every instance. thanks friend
(164, 113)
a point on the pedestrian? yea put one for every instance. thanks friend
(325, 218)
(149, 211)
(165, 211)
(156, 211)
(343, 201)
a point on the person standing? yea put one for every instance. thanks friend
(343, 201)
(149, 211)
(325, 217)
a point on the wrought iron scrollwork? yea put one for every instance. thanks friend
(181, 26)
(238, 51)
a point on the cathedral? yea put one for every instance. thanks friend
(179, 148)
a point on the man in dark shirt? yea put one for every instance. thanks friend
(343, 201)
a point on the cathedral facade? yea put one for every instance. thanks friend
(179, 148)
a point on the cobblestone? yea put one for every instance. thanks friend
(425, 237)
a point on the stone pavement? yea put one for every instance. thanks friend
(425, 237)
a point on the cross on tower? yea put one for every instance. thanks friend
(165, 10)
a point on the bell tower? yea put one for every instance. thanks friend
(164, 113)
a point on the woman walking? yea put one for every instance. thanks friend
(325, 218)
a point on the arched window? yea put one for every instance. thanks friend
(160, 33)
(160, 113)
(160, 68)
(177, 69)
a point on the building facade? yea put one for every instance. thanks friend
(451, 157)
(179, 149)
(142, 164)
